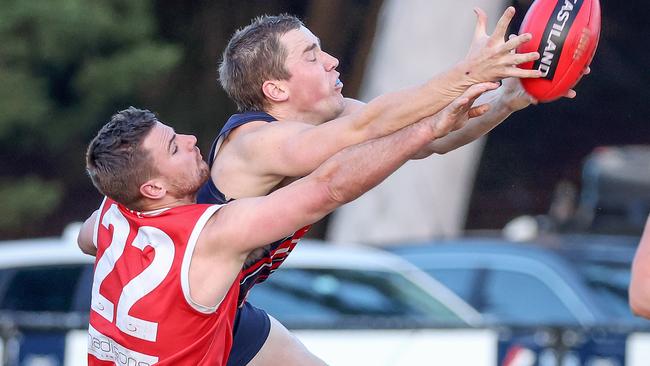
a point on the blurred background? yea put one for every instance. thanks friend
(66, 66)
(516, 247)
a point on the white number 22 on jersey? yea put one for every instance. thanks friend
(140, 285)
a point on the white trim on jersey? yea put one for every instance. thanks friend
(97, 220)
(187, 259)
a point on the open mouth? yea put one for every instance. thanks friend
(338, 84)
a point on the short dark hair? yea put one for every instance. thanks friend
(115, 160)
(253, 55)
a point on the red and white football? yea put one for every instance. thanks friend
(565, 33)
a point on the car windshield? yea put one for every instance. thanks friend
(312, 297)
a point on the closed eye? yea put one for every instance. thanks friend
(311, 52)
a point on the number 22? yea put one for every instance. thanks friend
(140, 285)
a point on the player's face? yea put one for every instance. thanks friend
(314, 87)
(177, 159)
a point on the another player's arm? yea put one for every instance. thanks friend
(489, 111)
(495, 108)
(640, 282)
(85, 237)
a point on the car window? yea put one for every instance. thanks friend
(460, 281)
(523, 299)
(50, 288)
(337, 295)
(506, 296)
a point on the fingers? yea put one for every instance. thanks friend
(502, 26)
(516, 41)
(462, 104)
(476, 90)
(481, 23)
(520, 58)
(516, 72)
(587, 71)
(478, 110)
(570, 94)
(457, 106)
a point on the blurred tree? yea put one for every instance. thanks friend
(65, 66)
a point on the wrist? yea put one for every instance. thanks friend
(452, 82)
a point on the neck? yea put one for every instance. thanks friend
(167, 202)
(282, 113)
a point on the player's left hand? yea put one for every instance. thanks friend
(515, 97)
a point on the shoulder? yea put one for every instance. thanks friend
(257, 134)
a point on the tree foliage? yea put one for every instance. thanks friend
(65, 66)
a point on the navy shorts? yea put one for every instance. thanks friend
(250, 330)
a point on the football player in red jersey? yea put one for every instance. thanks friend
(167, 270)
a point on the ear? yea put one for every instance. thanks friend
(275, 90)
(153, 189)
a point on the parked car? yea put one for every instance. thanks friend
(349, 305)
(322, 285)
(568, 280)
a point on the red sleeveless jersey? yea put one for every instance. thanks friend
(141, 311)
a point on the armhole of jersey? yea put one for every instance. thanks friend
(220, 141)
(218, 145)
(99, 217)
(187, 260)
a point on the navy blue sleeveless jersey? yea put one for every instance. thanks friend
(209, 193)
(269, 259)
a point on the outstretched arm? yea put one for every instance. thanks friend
(246, 224)
(639, 291)
(299, 148)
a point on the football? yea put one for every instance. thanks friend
(565, 33)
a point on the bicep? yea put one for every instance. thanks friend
(294, 149)
(249, 223)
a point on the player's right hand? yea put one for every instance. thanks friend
(456, 114)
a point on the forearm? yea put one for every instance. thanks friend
(393, 111)
(639, 291)
(357, 169)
